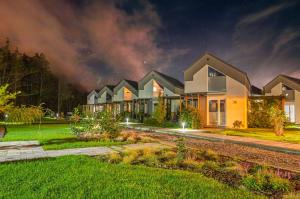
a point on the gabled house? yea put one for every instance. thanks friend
(155, 85)
(92, 100)
(105, 97)
(219, 90)
(124, 94)
(289, 88)
(92, 97)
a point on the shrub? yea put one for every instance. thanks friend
(277, 118)
(266, 113)
(228, 176)
(104, 123)
(107, 123)
(150, 121)
(114, 158)
(181, 149)
(191, 164)
(237, 124)
(231, 176)
(192, 118)
(149, 157)
(209, 155)
(267, 183)
(170, 124)
(160, 112)
(210, 168)
(131, 156)
(167, 155)
(25, 114)
(133, 137)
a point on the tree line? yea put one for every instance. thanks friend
(36, 84)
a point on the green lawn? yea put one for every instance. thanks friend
(291, 135)
(51, 136)
(85, 177)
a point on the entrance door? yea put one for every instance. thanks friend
(213, 112)
(217, 113)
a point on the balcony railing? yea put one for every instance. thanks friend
(217, 84)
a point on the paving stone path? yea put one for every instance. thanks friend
(27, 150)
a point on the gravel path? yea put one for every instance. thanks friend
(252, 154)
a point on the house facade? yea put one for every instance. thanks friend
(124, 96)
(219, 90)
(289, 88)
(155, 85)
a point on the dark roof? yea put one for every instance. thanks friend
(297, 80)
(291, 82)
(134, 84)
(171, 80)
(95, 90)
(111, 87)
(256, 91)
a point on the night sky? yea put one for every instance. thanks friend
(94, 42)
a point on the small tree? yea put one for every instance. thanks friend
(25, 114)
(6, 99)
(107, 123)
(277, 118)
(160, 111)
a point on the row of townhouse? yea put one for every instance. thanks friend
(217, 89)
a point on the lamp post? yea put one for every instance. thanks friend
(183, 125)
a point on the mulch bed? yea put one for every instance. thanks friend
(250, 154)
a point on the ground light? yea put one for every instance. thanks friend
(127, 121)
(183, 125)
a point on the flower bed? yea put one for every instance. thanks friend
(254, 177)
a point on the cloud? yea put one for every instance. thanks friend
(116, 41)
(284, 38)
(252, 18)
(266, 46)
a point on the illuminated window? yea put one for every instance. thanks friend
(214, 73)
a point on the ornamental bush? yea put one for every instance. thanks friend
(191, 117)
(24, 114)
(103, 122)
(267, 183)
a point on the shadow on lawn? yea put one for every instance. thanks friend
(61, 141)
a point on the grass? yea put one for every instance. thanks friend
(85, 177)
(291, 135)
(52, 136)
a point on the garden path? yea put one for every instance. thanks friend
(27, 150)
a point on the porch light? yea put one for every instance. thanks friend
(183, 125)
